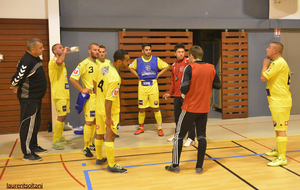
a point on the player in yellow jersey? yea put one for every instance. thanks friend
(277, 73)
(107, 84)
(146, 68)
(86, 70)
(102, 54)
(60, 92)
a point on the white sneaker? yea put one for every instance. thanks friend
(171, 139)
(189, 142)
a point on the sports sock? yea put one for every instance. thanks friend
(93, 130)
(58, 129)
(158, 118)
(110, 153)
(142, 117)
(281, 146)
(87, 132)
(98, 145)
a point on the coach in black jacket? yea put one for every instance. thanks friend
(30, 84)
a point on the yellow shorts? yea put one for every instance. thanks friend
(281, 117)
(100, 124)
(89, 109)
(148, 95)
(62, 106)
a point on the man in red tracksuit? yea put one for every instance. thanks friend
(176, 77)
(198, 80)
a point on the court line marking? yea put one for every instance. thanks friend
(153, 153)
(88, 182)
(70, 172)
(2, 173)
(266, 158)
(256, 142)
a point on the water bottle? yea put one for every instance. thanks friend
(73, 49)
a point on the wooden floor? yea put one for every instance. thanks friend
(234, 160)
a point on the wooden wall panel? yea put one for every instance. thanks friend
(162, 46)
(234, 75)
(14, 34)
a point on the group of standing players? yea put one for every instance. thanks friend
(192, 80)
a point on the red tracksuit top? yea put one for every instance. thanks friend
(177, 70)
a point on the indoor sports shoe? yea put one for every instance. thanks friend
(92, 147)
(199, 170)
(160, 132)
(272, 153)
(171, 139)
(87, 152)
(139, 131)
(171, 168)
(65, 140)
(32, 157)
(278, 162)
(189, 142)
(57, 146)
(99, 162)
(40, 149)
(116, 169)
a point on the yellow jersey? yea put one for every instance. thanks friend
(278, 85)
(86, 70)
(58, 79)
(108, 83)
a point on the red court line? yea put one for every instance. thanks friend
(2, 173)
(69, 172)
(255, 142)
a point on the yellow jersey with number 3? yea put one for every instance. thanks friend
(108, 83)
(86, 70)
(58, 79)
(278, 85)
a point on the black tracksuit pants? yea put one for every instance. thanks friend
(178, 101)
(185, 121)
(30, 121)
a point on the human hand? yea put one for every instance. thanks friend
(166, 96)
(266, 63)
(109, 122)
(183, 96)
(14, 89)
(86, 91)
(66, 50)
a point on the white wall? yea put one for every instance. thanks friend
(284, 9)
(23, 9)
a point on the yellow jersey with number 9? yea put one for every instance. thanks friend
(108, 83)
(278, 85)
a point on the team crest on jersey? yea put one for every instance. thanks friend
(54, 60)
(97, 127)
(274, 123)
(286, 123)
(131, 64)
(148, 68)
(105, 70)
(155, 102)
(76, 72)
(115, 92)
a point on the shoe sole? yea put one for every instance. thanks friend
(58, 148)
(32, 160)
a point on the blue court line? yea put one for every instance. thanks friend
(89, 185)
(83, 164)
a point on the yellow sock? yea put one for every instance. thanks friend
(281, 146)
(62, 129)
(110, 153)
(158, 118)
(142, 117)
(57, 131)
(98, 145)
(92, 135)
(87, 131)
